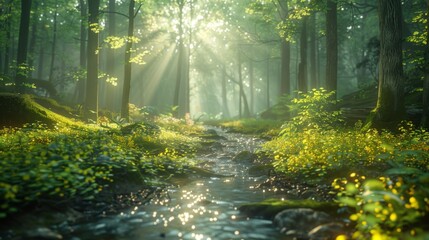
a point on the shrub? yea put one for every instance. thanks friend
(391, 207)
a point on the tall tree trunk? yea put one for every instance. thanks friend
(285, 54)
(8, 28)
(33, 38)
(242, 95)
(302, 73)
(42, 45)
(240, 88)
(54, 43)
(180, 62)
(21, 61)
(425, 118)
(331, 46)
(91, 100)
(313, 55)
(80, 86)
(125, 112)
(252, 88)
(187, 104)
(110, 57)
(224, 93)
(390, 105)
(268, 82)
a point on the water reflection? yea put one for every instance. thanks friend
(204, 209)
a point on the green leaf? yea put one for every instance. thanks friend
(403, 171)
(373, 185)
(348, 201)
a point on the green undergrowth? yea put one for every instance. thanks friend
(261, 127)
(382, 176)
(44, 164)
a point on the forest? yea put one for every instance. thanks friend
(214, 119)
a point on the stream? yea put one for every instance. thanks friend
(206, 208)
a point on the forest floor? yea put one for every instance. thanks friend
(57, 168)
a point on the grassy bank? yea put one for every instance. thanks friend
(381, 176)
(60, 161)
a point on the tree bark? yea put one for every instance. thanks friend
(80, 86)
(252, 88)
(313, 69)
(425, 117)
(91, 101)
(21, 60)
(224, 93)
(331, 46)
(33, 38)
(268, 82)
(242, 95)
(110, 57)
(390, 105)
(302, 73)
(285, 55)
(54, 43)
(125, 112)
(180, 62)
(8, 28)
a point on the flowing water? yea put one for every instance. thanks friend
(201, 209)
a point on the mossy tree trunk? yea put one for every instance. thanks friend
(390, 104)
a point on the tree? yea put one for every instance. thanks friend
(91, 100)
(110, 57)
(80, 86)
(127, 68)
(7, 19)
(313, 52)
(180, 59)
(54, 42)
(331, 46)
(425, 118)
(302, 72)
(285, 53)
(390, 104)
(21, 61)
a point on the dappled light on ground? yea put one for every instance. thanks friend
(202, 209)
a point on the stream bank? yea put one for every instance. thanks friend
(204, 208)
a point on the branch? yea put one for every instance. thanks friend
(123, 15)
(138, 9)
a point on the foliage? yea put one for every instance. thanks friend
(264, 127)
(391, 200)
(390, 207)
(315, 110)
(67, 164)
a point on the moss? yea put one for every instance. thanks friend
(269, 208)
(17, 110)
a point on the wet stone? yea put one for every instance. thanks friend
(42, 234)
(244, 156)
(298, 222)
